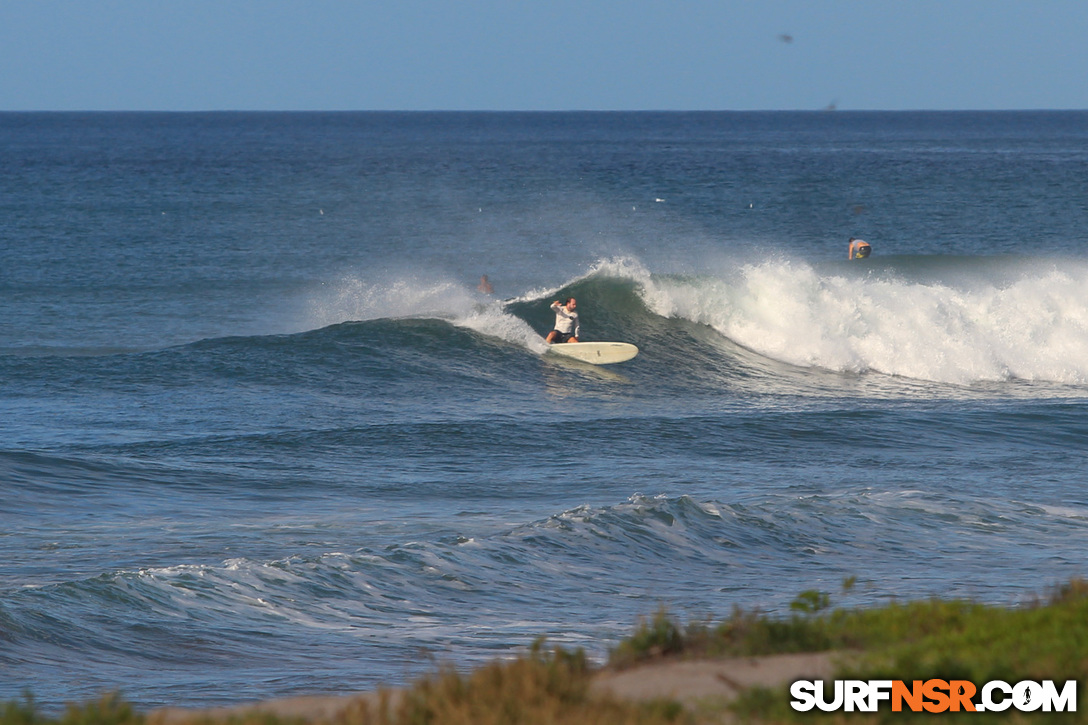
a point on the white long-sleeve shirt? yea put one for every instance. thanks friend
(566, 321)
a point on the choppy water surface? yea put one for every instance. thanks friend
(260, 434)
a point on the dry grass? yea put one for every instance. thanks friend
(540, 688)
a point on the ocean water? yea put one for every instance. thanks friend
(260, 434)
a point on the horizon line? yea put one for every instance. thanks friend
(548, 111)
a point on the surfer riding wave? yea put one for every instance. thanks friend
(567, 325)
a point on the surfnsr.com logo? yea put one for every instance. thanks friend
(934, 696)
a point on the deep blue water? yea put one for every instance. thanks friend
(260, 435)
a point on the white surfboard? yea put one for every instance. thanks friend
(597, 353)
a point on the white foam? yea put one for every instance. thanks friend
(1033, 328)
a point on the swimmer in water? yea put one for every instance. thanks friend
(859, 249)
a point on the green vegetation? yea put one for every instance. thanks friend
(956, 639)
(934, 639)
(914, 640)
(110, 710)
(658, 637)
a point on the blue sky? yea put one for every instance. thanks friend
(542, 55)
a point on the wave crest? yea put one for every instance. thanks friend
(946, 320)
(356, 300)
(1033, 327)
